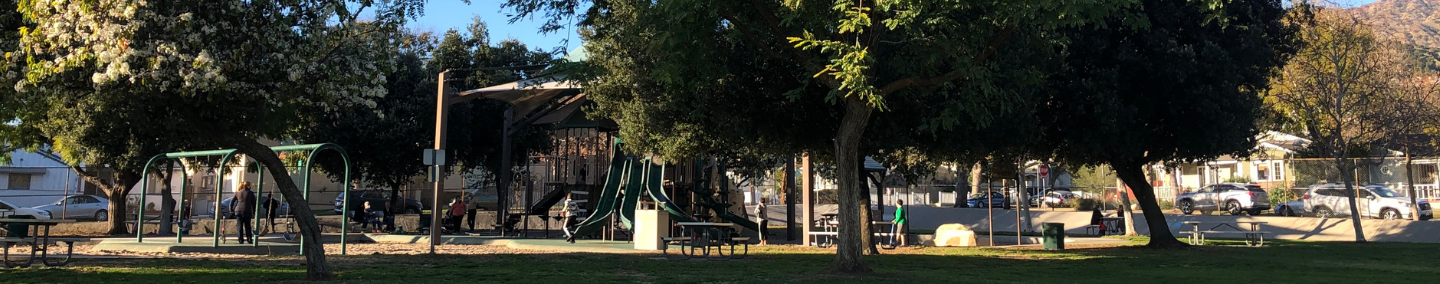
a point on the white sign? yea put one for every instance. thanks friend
(433, 157)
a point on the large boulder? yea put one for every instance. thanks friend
(954, 235)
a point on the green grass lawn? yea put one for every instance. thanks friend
(1279, 262)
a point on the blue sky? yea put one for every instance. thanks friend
(443, 15)
(447, 14)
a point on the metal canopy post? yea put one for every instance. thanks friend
(219, 190)
(184, 182)
(144, 190)
(255, 218)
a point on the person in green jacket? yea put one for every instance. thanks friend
(897, 226)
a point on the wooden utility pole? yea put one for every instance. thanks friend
(789, 188)
(807, 193)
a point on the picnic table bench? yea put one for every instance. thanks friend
(703, 235)
(1254, 235)
(39, 241)
(830, 233)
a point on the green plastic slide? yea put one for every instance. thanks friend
(608, 195)
(633, 189)
(655, 186)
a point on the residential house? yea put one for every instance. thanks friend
(33, 179)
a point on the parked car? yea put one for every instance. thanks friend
(7, 210)
(79, 207)
(1233, 198)
(1330, 200)
(1057, 198)
(997, 199)
(483, 199)
(1291, 208)
(376, 198)
(263, 203)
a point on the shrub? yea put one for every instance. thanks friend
(1166, 204)
(1084, 204)
(1238, 179)
(1281, 194)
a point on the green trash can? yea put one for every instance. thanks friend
(18, 230)
(1054, 236)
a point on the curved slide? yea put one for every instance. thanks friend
(655, 187)
(606, 203)
(633, 190)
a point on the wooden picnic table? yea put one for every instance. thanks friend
(39, 240)
(1254, 235)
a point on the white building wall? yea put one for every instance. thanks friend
(50, 184)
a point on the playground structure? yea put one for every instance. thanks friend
(630, 179)
(226, 155)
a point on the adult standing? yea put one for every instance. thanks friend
(244, 212)
(762, 217)
(457, 213)
(472, 205)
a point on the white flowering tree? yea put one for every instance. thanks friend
(229, 71)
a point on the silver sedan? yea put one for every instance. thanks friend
(79, 207)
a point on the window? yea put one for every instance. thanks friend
(1277, 167)
(19, 182)
(1262, 171)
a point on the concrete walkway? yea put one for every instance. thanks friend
(591, 246)
(267, 246)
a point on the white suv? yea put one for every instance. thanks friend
(1329, 200)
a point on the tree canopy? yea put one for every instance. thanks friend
(1184, 85)
(228, 72)
(820, 69)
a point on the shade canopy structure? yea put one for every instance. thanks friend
(529, 100)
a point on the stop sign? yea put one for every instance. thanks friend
(1044, 171)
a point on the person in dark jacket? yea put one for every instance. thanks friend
(245, 211)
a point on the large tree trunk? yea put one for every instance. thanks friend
(1346, 174)
(867, 230)
(167, 202)
(315, 266)
(960, 176)
(848, 254)
(116, 190)
(1160, 236)
(975, 178)
(1125, 206)
(1410, 185)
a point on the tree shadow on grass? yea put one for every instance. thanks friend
(1283, 261)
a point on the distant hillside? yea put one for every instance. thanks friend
(1414, 21)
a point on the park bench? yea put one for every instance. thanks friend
(680, 241)
(41, 246)
(1254, 236)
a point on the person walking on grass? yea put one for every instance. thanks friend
(897, 227)
(571, 212)
(244, 212)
